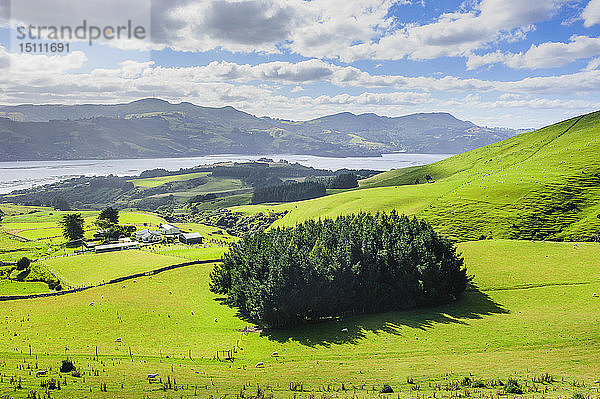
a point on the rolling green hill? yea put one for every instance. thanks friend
(539, 185)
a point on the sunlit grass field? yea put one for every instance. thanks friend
(92, 269)
(531, 315)
(157, 181)
(538, 185)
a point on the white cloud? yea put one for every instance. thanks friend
(591, 14)
(348, 30)
(593, 64)
(544, 55)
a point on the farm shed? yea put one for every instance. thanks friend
(148, 235)
(117, 246)
(168, 229)
(190, 238)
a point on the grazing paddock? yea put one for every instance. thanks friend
(8, 287)
(172, 325)
(91, 269)
(158, 181)
(195, 252)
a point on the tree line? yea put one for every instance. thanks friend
(288, 192)
(354, 264)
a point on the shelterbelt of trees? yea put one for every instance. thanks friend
(360, 263)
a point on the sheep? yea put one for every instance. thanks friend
(118, 339)
(91, 303)
(595, 294)
(574, 246)
(260, 364)
(344, 330)
(152, 376)
(192, 312)
(215, 319)
(274, 354)
(40, 373)
(170, 292)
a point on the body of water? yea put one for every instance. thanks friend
(26, 174)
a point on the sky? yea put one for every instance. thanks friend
(497, 63)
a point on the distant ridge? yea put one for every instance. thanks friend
(153, 127)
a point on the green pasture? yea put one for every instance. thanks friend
(538, 185)
(8, 287)
(157, 181)
(190, 252)
(531, 315)
(90, 269)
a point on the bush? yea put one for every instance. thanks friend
(478, 384)
(354, 264)
(512, 386)
(67, 366)
(23, 263)
(386, 388)
(578, 395)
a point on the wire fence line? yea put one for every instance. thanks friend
(113, 281)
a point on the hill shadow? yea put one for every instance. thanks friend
(473, 305)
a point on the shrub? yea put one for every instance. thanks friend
(512, 386)
(578, 395)
(67, 366)
(355, 264)
(478, 384)
(23, 263)
(465, 382)
(386, 388)
(50, 384)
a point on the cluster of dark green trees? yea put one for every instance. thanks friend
(288, 192)
(343, 180)
(353, 264)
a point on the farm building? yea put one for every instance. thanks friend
(190, 238)
(117, 246)
(168, 229)
(148, 235)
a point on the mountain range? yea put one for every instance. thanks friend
(150, 128)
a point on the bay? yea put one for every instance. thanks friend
(26, 174)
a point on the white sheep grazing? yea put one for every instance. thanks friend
(344, 330)
(595, 294)
(192, 312)
(170, 292)
(91, 303)
(215, 319)
(41, 372)
(118, 339)
(151, 376)
(274, 354)
(574, 246)
(260, 364)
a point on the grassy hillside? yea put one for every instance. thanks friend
(538, 185)
(519, 325)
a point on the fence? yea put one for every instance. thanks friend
(113, 281)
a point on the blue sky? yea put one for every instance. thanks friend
(510, 63)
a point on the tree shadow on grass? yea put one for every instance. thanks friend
(473, 305)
